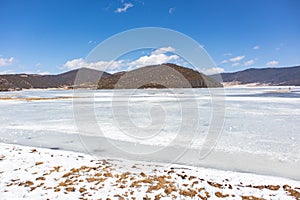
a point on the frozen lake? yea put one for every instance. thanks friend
(260, 130)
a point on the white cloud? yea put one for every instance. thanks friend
(249, 62)
(153, 59)
(100, 65)
(256, 47)
(43, 73)
(163, 50)
(236, 59)
(7, 72)
(214, 70)
(156, 57)
(172, 10)
(277, 49)
(126, 6)
(6, 61)
(227, 54)
(272, 63)
(92, 42)
(36, 72)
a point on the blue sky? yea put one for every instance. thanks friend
(52, 36)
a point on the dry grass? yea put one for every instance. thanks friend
(35, 98)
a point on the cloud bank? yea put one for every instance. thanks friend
(158, 56)
(272, 63)
(6, 61)
(236, 59)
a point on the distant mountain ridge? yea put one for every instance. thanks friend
(67, 79)
(264, 76)
(155, 76)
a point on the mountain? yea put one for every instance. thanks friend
(158, 76)
(26, 81)
(265, 76)
(155, 76)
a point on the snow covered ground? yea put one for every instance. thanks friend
(260, 135)
(37, 173)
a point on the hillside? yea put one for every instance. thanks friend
(158, 76)
(27, 81)
(266, 76)
(155, 76)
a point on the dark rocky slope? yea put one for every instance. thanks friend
(158, 76)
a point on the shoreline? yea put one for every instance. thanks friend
(243, 162)
(225, 85)
(29, 172)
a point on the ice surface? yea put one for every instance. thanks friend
(261, 131)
